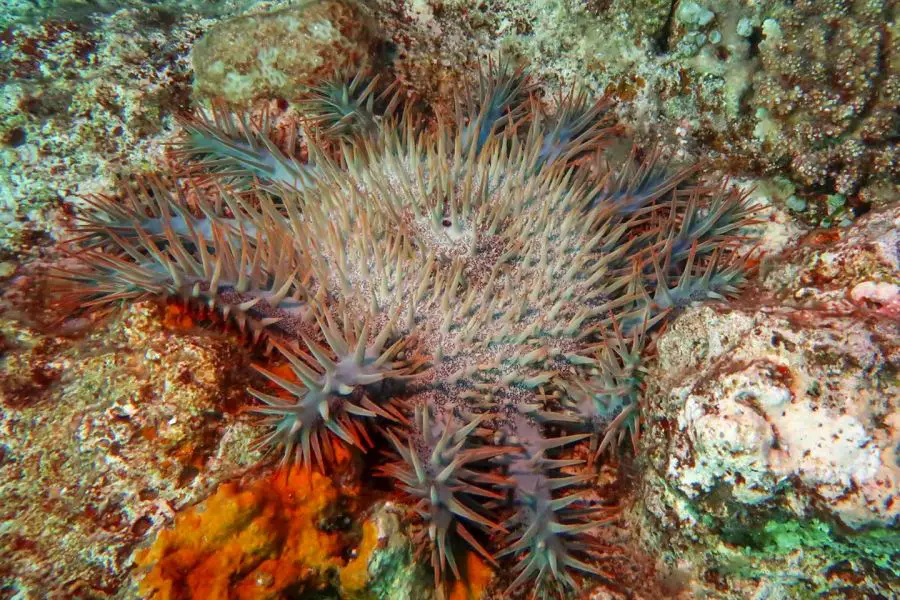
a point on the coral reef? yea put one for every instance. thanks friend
(769, 420)
(711, 79)
(828, 92)
(775, 438)
(103, 438)
(460, 277)
(847, 271)
(30, 12)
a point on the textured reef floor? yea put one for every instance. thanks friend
(447, 300)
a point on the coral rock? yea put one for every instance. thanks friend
(784, 412)
(101, 438)
(844, 269)
(77, 102)
(772, 430)
(393, 573)
(274, 54)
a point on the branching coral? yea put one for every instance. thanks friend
(469, 291)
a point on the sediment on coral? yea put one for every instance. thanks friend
(464, 290)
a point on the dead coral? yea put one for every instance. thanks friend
(102, 437)
(78, 102)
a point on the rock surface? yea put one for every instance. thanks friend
(393, 572)
(772, 431)
(276, 54)
(82, 105)
(103, 439)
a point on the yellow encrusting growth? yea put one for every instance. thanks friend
(257, 541)
(478, 575)
(355, 575)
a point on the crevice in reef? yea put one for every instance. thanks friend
(662, 38)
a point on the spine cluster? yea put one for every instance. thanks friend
(478, 292)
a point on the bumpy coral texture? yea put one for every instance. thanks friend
(478, 291)
(830, 82)
(257, 541)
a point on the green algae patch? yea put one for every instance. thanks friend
(878, 547)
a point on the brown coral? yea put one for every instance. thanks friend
(827, 81)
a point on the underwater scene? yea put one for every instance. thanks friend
(449, 299)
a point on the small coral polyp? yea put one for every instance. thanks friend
(478, 294)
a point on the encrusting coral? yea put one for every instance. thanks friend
(257, 541)
(478, 290)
